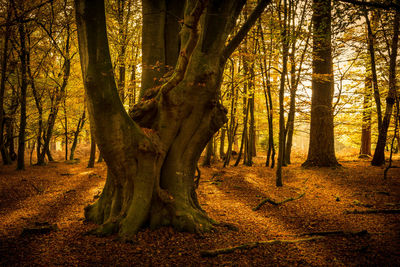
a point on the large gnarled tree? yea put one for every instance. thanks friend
(152, 153)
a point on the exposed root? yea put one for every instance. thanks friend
(229, 226)
(316, 163)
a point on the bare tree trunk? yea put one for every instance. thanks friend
(222, 143)
(4, 59)
(132, 88)
(24, 85)
(244, 135)
(66, 129)
(232, 122)
(58, 97)
(209, 152)
(92, 157)
(379, 155)
(371, 50)
(152, 156)
(100, 158)
(321, 151)
(79, 127)
(268, 98)
(366, 119)
(285, 54)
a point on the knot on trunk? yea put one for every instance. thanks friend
(153, 143)
(144, 113)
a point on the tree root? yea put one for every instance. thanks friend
(277, 203)
(229, 226)
(216, 252)
(389, 211)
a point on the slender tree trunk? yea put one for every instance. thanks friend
(232, 122)
(39, 107)
(252, 128)
(10, 139)
(268, 98)
(365, 149)
(132, 88)
(4, 59)
(209, 152)
(371, 50)
(244, 134)
(59, 96)
(285, 54)
(66, 129)
(379, 155)
(92, 157)
(100, 158)
(222, 143)
(321, 151)
(24, 84)
(79, 127)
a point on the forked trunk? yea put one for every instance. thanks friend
(151, 156)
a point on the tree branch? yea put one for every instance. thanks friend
(190, 23)
(384, 6)
(251, 20)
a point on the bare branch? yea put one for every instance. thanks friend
(237, 39)
(385, 6)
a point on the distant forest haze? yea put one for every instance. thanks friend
(158, 89)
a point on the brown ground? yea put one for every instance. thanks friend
(58, 192)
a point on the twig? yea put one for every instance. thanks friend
(277, 203)
(216, 252)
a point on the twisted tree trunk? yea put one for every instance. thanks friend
(151, 155)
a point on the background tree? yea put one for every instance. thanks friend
(321, 150)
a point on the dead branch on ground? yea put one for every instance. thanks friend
(216, 252)
(389, 211)
(267, 199)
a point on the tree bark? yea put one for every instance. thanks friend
(222, 143)
(321, 150)
(371, 51)
(209, 152)
(285, 54)
(265, 69)
(22, 100)
(160, 45)
(4, 59)
(79, 127)
(92, 156)
(365, 149)
(151, 157)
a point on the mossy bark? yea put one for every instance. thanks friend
(151, 154)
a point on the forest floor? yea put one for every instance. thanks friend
(56, 194)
